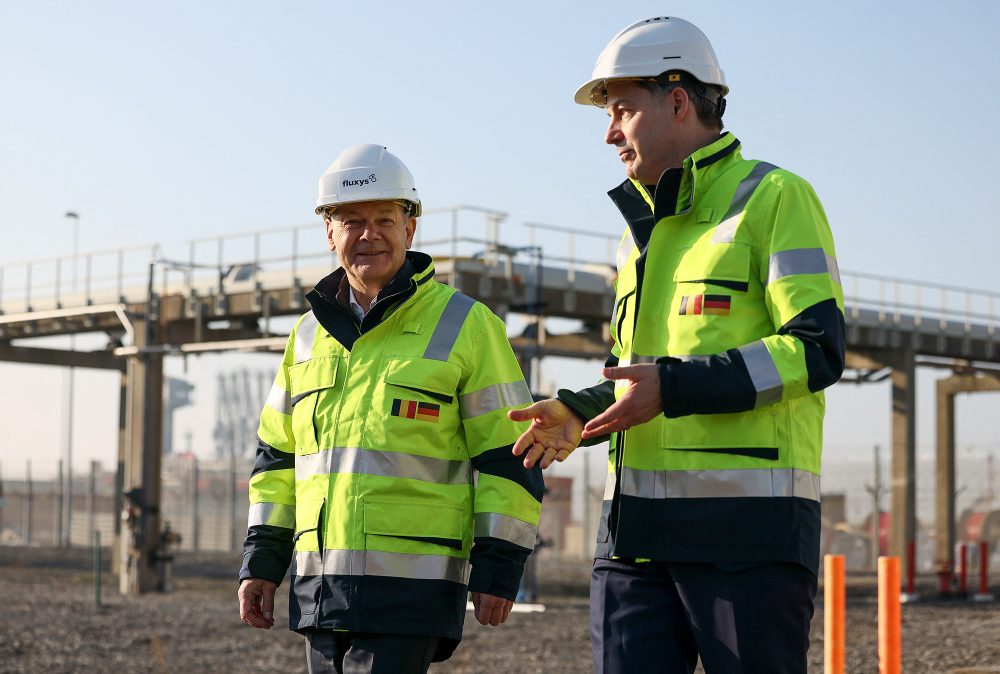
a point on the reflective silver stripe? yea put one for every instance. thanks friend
(625, 248)
(833, 268)
(726, 231)
(379, 563)
(609, 486)
(495, 525)
(801, 261)
(272, 515)
(493, 398)
(720, 483)
(448, 327)
(763, 373)
(279, 399)
(356, 461)
(305, 336)
(337, 563)
(423, 567)
(636, 359)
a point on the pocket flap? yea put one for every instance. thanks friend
(312, 375)
(307, 525)
(424, 373)
(714, 262)
(420, 520)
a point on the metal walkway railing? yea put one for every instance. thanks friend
(292, 256)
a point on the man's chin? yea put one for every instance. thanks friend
(369, 271)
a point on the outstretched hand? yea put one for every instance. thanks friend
(553, 435)
(640, 402)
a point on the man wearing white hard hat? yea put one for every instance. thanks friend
(392, 394)
(728, 324)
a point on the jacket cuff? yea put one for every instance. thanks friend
(587, 404)
(262, 568)
(502, 583)
(672, 374)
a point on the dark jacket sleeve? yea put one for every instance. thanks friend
(589, 402)
(722, 383)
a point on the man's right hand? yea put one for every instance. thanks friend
(553, 435)
(257, 602)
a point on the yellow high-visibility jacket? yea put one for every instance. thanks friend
(728, 281)
(384, 465)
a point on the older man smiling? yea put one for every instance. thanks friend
(392, 391)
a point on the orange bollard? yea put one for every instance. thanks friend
(834, 612)
(890, 643)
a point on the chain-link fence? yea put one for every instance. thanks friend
(205, 502)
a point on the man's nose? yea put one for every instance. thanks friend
(613, 135)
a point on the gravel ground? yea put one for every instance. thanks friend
(49, 623)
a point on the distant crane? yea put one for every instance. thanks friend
(176, 393)
(238, 405)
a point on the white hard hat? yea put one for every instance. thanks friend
(649, 48)
(367, 173)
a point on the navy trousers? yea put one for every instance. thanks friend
(329, 652)
(659, 617)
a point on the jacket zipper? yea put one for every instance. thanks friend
(411, 288)
(319, 526)
(620, 440)
(623, 310)
(322, 570)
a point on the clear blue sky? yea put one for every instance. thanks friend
(166, 122)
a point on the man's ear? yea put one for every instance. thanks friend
(329, 234)
(411, 228)
(681, 103)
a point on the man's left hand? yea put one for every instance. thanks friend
(640, 402)
(490, 609)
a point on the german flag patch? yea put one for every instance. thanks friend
(696, 305)
(411, 409)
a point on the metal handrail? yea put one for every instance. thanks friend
(921, 284)
(80, 256)
(277, 249)
(46, 273)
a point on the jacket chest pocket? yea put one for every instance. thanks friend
(726, 265)
(709, 280)
(315, 393)
(417, 400)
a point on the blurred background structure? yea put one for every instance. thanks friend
(240, 292)
(153, 156)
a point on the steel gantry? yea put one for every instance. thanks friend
(223, 295)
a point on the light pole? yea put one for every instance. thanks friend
(68, 502)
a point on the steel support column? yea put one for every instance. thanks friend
(903, 519)
(140, 539)
(944, 468)
(119, 499)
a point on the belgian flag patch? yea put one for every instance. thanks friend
(412, 409)
(696, 305)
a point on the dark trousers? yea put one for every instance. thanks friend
(658, 617)
(329, 652)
